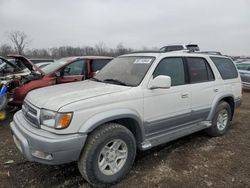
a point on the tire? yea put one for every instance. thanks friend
(98, 152)
(221, 120)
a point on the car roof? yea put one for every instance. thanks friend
(175, 53)
(87, 57)
(43, 63)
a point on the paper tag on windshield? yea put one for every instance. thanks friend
(142, 61)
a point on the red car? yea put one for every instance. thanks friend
(64, 70)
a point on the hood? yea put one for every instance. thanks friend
(55, 97)
(27, 63)
(9, 63)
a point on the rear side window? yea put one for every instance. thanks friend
(226, 67)
(98, 64)
(199, 70)
(172, 67)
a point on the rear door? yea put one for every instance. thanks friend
(72, 72)
(203, 89)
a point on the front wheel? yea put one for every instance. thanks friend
(108, 155)
(221, 120)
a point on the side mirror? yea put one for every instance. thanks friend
(161, 82)
(57, 74)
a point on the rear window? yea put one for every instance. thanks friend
(98, 64)
(193, 47)
(226, 67)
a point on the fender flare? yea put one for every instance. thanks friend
(215, 104)
(112, 115)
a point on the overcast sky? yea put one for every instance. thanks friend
(222, 25)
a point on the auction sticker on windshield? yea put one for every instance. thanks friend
(142, 61)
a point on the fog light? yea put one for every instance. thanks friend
(42, 155)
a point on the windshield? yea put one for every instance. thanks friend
(2, 65)
(51, 67)
(125, 70)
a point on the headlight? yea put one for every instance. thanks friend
(55, 120)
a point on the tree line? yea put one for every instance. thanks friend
(66, 51)
(19, 41)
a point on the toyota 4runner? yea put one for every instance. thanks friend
(136, 102)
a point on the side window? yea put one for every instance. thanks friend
(226, 67)
(75, 68)
(199, 70)
(172, 67)
(175, 48)
(243, 66)
(98, 64)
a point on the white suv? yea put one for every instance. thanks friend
(137, 101)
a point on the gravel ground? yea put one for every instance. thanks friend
(193, 161)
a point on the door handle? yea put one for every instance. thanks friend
(184, 95)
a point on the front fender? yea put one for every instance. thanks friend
(104, 117)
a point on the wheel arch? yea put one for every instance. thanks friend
(125, 117)
(226, 98)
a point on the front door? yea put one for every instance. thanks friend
(72, 72)
(165, 109)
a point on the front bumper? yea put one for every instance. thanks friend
(30, 140)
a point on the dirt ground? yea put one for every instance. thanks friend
(193, 161)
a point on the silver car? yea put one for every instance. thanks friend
(244, 70)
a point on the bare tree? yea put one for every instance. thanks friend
(19, 40)
(120, 50)
(101, 48)
(5, 50)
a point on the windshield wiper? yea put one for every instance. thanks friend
(115, 81)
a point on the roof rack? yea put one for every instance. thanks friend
(206, 52)
(187, 51)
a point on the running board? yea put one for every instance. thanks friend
(174, 134)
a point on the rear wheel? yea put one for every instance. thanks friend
(221, 120)
(108, 155)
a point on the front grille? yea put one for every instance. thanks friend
(31, 114)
